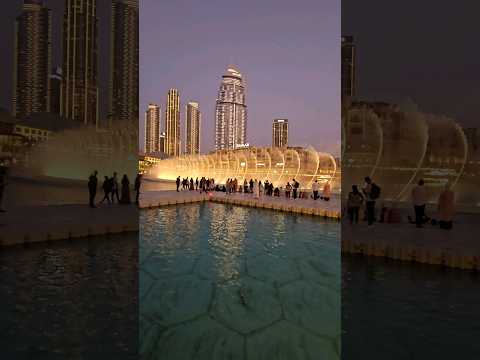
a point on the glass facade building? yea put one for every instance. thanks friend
(231, 112)
(192, 128)
(280, 133)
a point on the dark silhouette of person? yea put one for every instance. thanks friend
(125, 199)
(107, 188)
(251, 185)
(295, 188)
(115, 188)
(3, 184)
(196, 184)
(92, 188)
(178, 183)
(138, 183)
(372, 193)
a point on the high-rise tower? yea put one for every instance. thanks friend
(152, 129)
(348, 67)
(231, 112)
(192, 128)
(172, 123)
(80, 62)
(123, 91)
(32, 62)
(280, 133)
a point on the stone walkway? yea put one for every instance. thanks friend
(458, 248)
(29, 224)
(330, 209)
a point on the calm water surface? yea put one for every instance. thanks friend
(228, 282)
(395, 310)
(70, 299)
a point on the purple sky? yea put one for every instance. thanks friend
(288, 52)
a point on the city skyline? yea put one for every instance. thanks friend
(292, 75)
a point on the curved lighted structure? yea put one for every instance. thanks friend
(277, 165)
(397, 148)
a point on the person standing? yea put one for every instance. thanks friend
(372, 193)
(326, 191)
(125, 199)
(107, 188)
(178, 183)
(138, 183)
(315, 187)
(355, 200)
(288, 189)
(256, 189)
(419, 200)
(196, 184)
(115, 188)
(446, 207)
(92, 188)
(295, 188)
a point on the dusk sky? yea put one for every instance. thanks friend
(288, 52)
(426, 51)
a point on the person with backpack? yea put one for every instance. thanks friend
(372, 193)
(355, 200)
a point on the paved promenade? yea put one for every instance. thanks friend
(457, 248)
(330, 209)
(21, 225)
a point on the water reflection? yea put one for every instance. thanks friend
(393, 310)
(244, 277)
(67, 299)
(227, 239)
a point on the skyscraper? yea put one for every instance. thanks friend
(280, 133)
(123, 91)
(32, 62)
(231, 112)
(80, 58)
(172, 123)
(55, 90)
(152, 129)
(348, 67)
(192, 128)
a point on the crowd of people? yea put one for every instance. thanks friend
(256, 187)
(367, 198)
(111, 188)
